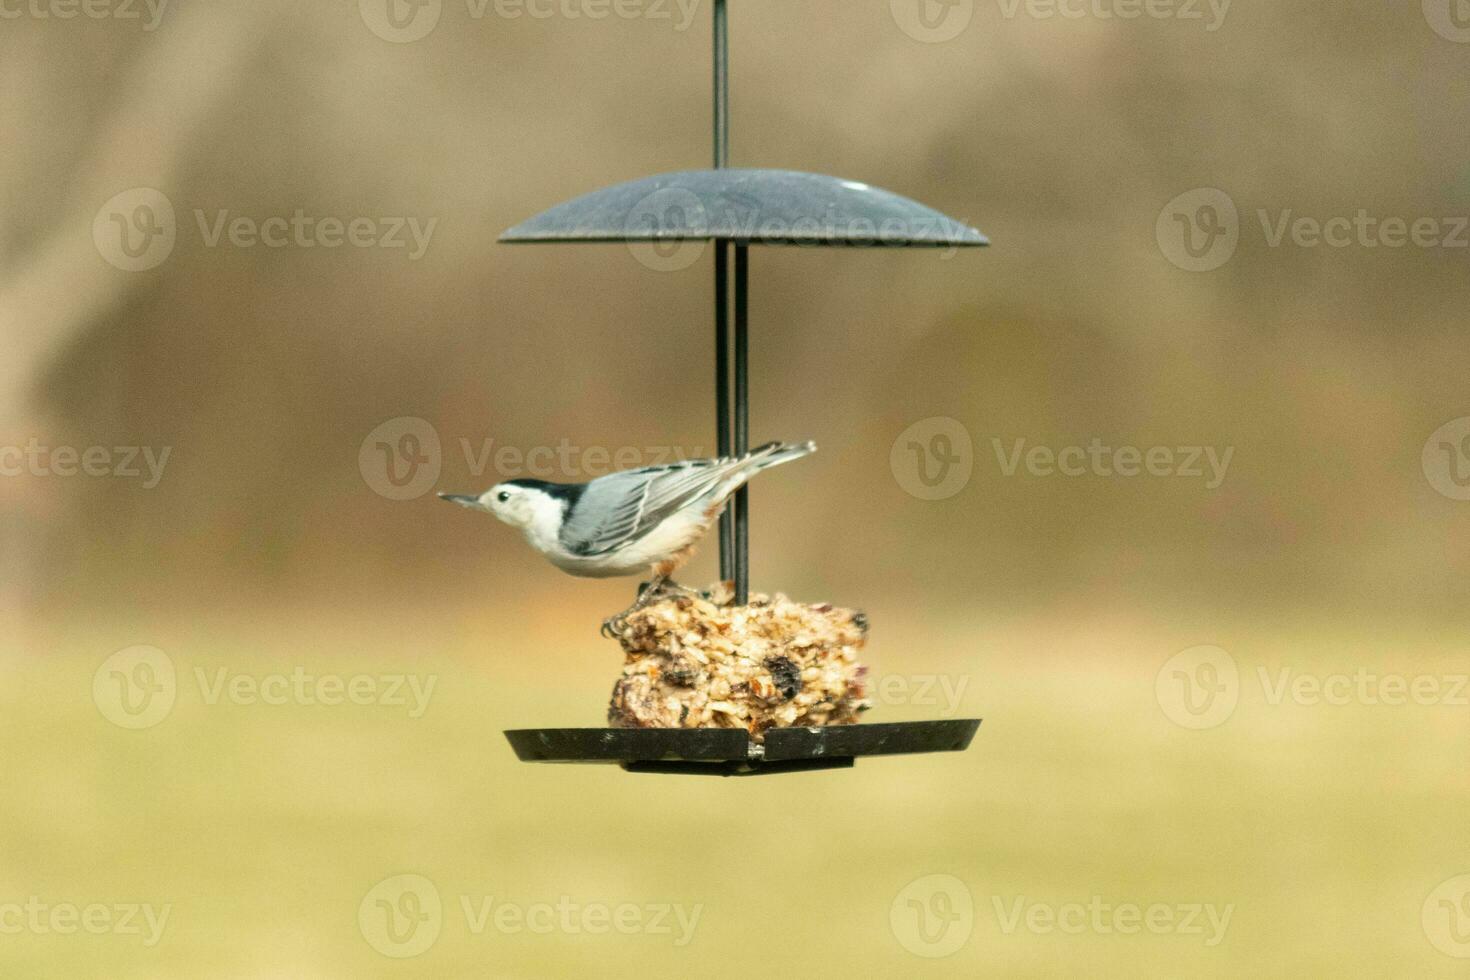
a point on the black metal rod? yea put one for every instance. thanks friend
(722, 87)
(742, 419)
(730, 548)
(723, 424)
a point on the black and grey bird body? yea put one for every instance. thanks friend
(631, 521)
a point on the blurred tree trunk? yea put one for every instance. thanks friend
(57, 286)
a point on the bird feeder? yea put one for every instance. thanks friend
(736, 209)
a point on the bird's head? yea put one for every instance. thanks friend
(518, 503)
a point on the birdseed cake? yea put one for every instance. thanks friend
(696, 662)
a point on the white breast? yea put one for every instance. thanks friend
(675, 534)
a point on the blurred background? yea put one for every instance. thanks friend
(220, 445)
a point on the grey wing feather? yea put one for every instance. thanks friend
(621, 507)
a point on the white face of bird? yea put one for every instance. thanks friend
(515, 505)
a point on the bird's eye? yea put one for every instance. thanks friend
(503, 496)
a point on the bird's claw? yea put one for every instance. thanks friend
(661, 588)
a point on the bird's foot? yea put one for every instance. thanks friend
(659, 588)
(668, 587)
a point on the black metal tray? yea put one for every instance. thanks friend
(730, 751)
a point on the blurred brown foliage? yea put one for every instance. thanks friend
(264, 369)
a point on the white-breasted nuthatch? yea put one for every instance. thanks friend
(625, 522)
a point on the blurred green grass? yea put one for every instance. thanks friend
(265, 826)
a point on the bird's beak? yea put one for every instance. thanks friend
(473, 503)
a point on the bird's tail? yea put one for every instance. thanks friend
(736, 471)
(776, 453)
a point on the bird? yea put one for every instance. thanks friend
(629, 521)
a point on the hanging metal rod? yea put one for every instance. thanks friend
(742, 420)
(731, 420)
